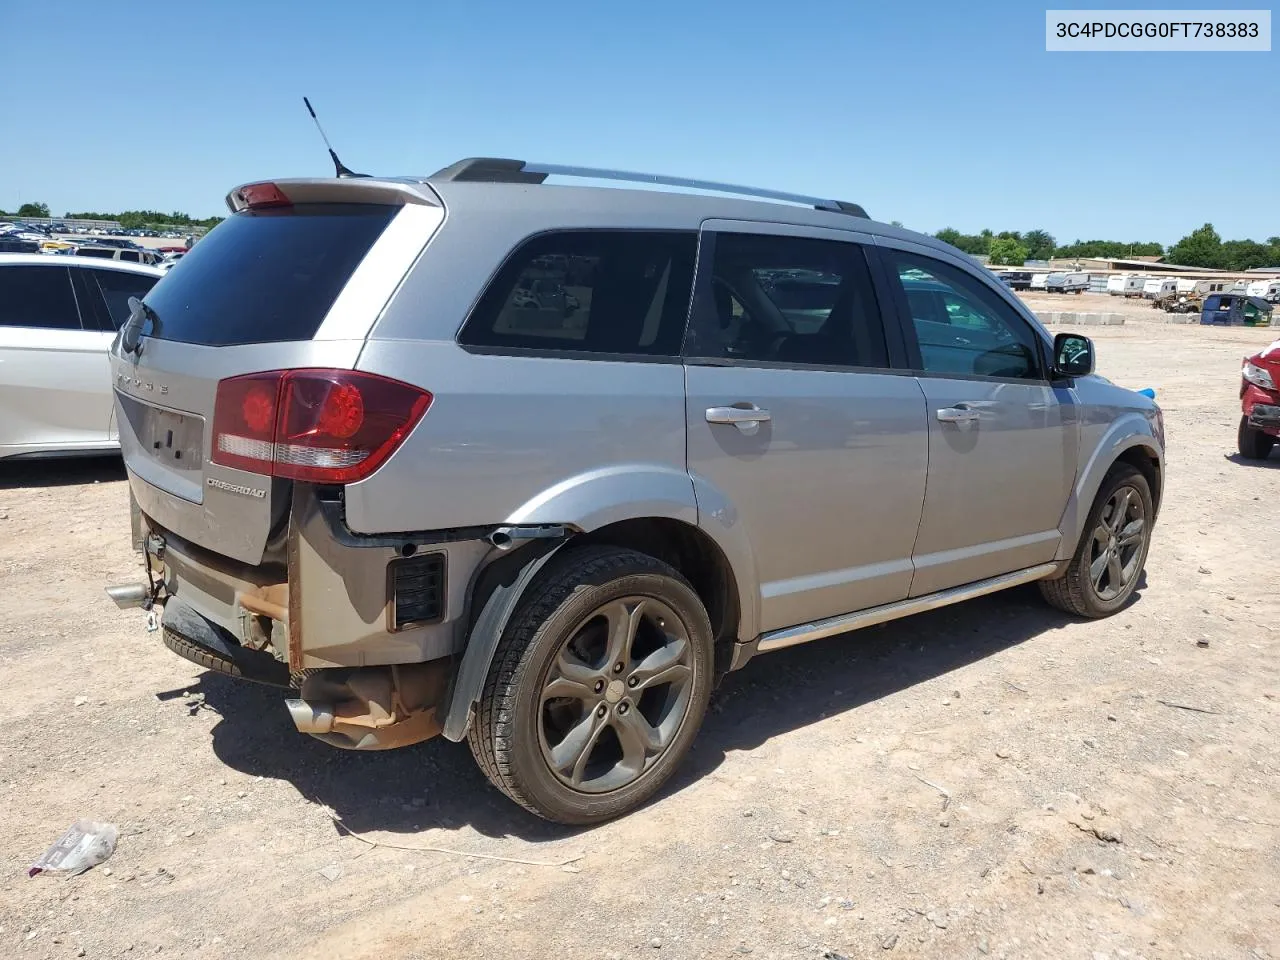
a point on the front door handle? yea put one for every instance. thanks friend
(751, 414)
(958, 414)
(746, 418)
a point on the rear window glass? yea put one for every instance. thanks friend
(597, 291)
(267, 275)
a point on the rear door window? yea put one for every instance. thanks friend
(591, 292)
(263, 276)
(37, 296)
(107, 293)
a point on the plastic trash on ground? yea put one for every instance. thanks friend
(86, 844)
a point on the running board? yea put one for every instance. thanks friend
(803, 633)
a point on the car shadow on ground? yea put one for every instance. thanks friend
(1271, 463)
(436, 784)
(60, 472)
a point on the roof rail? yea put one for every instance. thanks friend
(500, 170)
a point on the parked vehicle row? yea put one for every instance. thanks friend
(1073, 282)
(1179, 294)
(660, 434)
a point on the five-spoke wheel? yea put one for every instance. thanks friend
(615, 694)
(1108, 561)
(1118, 542)
(599, 684)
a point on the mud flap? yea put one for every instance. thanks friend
(515, 575)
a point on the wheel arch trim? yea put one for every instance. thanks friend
(1130, 432)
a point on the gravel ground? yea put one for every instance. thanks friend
(992, 779)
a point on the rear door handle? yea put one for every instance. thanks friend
(958, 414)
(746, 418)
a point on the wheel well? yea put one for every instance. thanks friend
(693, 553)
(1148, 466)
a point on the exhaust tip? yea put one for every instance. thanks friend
(310, 717)
(128, 595)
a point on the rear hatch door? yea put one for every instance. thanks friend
(293, 284)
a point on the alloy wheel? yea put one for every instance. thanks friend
(1115, 552)
(615, 695)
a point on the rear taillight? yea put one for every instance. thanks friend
(326, 426)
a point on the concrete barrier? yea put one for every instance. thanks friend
(1053, 317)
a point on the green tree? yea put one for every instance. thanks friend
(1109, 248)
(948, 235)
(1200, 248)
(1007, 251)
(1040, 244)
(968, 242)
(33, 210)
(1246, 254)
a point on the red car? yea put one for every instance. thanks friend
(1260, 400)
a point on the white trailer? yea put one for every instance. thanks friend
(1266, 289)
(1115, 285)
(1038, 280)
(1158, 287)
(1133, 285)
(1067, 283)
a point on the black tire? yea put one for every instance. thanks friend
(507, 736)
(200, 656)
(1253, 443)
(1075, 592)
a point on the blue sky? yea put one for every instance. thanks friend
(935, 114)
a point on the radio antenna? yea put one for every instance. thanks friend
(339, 168)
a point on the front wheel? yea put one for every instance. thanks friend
(598, 686)
(1113, 548)
(1253, 443)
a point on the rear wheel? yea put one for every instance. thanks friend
(598, 686)
(1113, 548)
(1253, 443)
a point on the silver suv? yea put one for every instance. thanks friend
(369, 465)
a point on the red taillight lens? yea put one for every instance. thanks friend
(254, 196)
(244, 421)
(326, 426)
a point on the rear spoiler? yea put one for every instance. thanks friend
(283, 193)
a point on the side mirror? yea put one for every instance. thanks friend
(1072, 355)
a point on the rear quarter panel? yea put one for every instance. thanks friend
(511, 439)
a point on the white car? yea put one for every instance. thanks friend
(58, 316)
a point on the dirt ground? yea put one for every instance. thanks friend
(992, 779)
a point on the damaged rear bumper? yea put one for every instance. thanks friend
(323, 614)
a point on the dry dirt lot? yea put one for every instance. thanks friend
(991, 779)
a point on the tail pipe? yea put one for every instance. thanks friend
(127, 596)
(311, 717)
